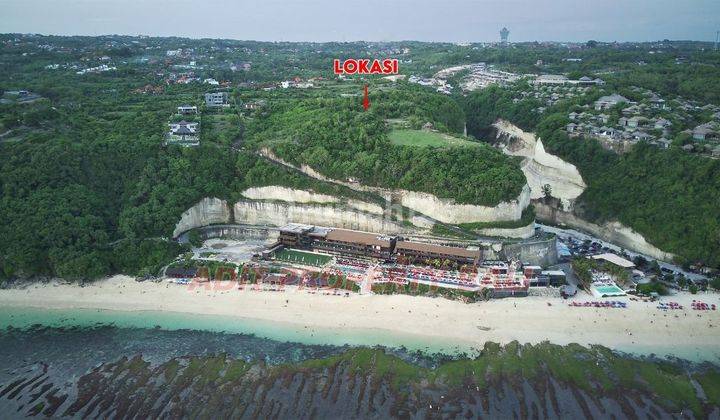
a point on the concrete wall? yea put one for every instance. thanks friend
(239, 232)
(206, 212)
(540, 167)
(444, 210)
(540, 252)
(277, 214)
(614, 232)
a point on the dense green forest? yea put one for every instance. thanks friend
(80, 207)
(335, 137)
(62, 193)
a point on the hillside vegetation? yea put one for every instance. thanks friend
(670, 197)
(335, 137)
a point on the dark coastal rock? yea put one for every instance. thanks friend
(131, 380)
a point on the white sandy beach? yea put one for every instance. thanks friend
(641, 327)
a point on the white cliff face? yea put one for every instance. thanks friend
(444, 210)
(210, 211)
(541, 168)
(287, 194)
(278, 214)
(447, 211)
(630, 239)
(301, 196)
(365, 206)
(207, 211)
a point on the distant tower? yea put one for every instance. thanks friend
(717, 39)
(504, 33)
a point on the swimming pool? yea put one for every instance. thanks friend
(608, 290)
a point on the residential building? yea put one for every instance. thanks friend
(609, 101)
(187, 110)
(704, 132)
(184, 133)
(551, 79)
(636, 122)
(662, 123)
(216, 99)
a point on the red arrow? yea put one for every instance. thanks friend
(366, 99)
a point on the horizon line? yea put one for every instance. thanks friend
(352, 41)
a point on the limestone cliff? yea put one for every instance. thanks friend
(210, 211)
(540, 167)
(442, 209)
(207, 211)
(280, 213)
(448, 211)
(301, 196)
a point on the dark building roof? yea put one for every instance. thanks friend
(180, 272)
(364, 238)
(182, 130)
(296, 228)
(437, 249)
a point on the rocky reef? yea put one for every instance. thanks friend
(513, 381)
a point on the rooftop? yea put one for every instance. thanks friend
(438, 249)
(296, 228)
(183, 130)
(353, 236)
(614, 259)
(613, 98)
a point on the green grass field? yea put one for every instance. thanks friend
(422, 138)
(302, 257)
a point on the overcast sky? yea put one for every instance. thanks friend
(372, 20)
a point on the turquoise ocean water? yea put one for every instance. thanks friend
(25, 317)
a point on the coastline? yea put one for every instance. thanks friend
(418, 323)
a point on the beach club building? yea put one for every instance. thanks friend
(418, 251)
(337, 241)
(372, 245)
(352, 242)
